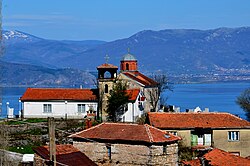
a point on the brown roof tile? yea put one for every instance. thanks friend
(195, 162)
(196, 120)
(133, 93)
(126, 133)
(41, 94)
(66, 154)
(106, 65)
(221, 158)
(137, 76)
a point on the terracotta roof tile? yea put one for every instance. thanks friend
(196, 120)
(221, 158)
(106, 65)
(133, 93)
(66, 154)
(126, 133)
(195, 162)
(41, 94)
(137, 76)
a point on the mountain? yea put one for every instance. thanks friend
(175, 51)
(13, 74)
(20, 47)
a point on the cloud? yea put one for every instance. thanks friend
(25, 20)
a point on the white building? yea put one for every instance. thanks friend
(135, 107)
(59, 102)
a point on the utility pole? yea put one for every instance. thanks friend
(52, 142)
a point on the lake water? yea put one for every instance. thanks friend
(218, 97)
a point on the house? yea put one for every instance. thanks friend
(59, 102)
(205, 130)
(127, 144)
(218, 157)
(129, 74)
(134, 109)
(65, 155)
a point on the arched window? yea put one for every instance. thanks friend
(107, 74)
(127, 66)
(106, 88)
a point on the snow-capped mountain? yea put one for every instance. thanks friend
(17, 36)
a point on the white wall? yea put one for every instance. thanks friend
(133, 112)
(59, 109)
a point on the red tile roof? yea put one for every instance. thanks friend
(66, 154)
(42, 94)
(137, 76)
(128, 133)
(106, 65)
(196, 120)
(221, 158)
(133, 93)
(195, 162)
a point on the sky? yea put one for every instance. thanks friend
(116, 19)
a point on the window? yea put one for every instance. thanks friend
(127, 66)
(233, 136)
(81, 108)
(164, 149)
(47, 108)
(106, 89)
(108, 146)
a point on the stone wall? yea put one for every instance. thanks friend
(126, 154)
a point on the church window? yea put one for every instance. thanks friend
(106, 89)
(107, 74)
(127, 66)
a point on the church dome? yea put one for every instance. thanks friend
(128, 57)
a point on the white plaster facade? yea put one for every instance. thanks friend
(59, 109)
(134, 111)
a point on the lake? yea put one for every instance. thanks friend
(218, 97)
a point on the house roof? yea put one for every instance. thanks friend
(133, 93)
(106, 65)
(221, 158)
(218, 157)
(43, 94)
(196, 120)
(128, 133)
(66, 154)
(194, 162)
(139, 77)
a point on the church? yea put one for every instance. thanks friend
(147, 88)
(80, 103)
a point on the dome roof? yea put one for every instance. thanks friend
(128, 57)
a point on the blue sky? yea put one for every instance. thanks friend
(115, 19)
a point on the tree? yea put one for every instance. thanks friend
(244, 101)
(118, 97)
(155, 94)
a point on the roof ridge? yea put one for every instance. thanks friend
(86, 130)
(149, 133)
(165, 132)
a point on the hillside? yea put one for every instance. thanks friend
(13, 74)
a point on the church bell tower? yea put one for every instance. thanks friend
(107, 74)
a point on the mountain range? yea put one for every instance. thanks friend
(175, 51)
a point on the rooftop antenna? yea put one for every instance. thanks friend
(106, 59)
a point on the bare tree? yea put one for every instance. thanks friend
(156, 93)
(244, 101)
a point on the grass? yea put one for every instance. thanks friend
(36, 120)
(27, 149)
